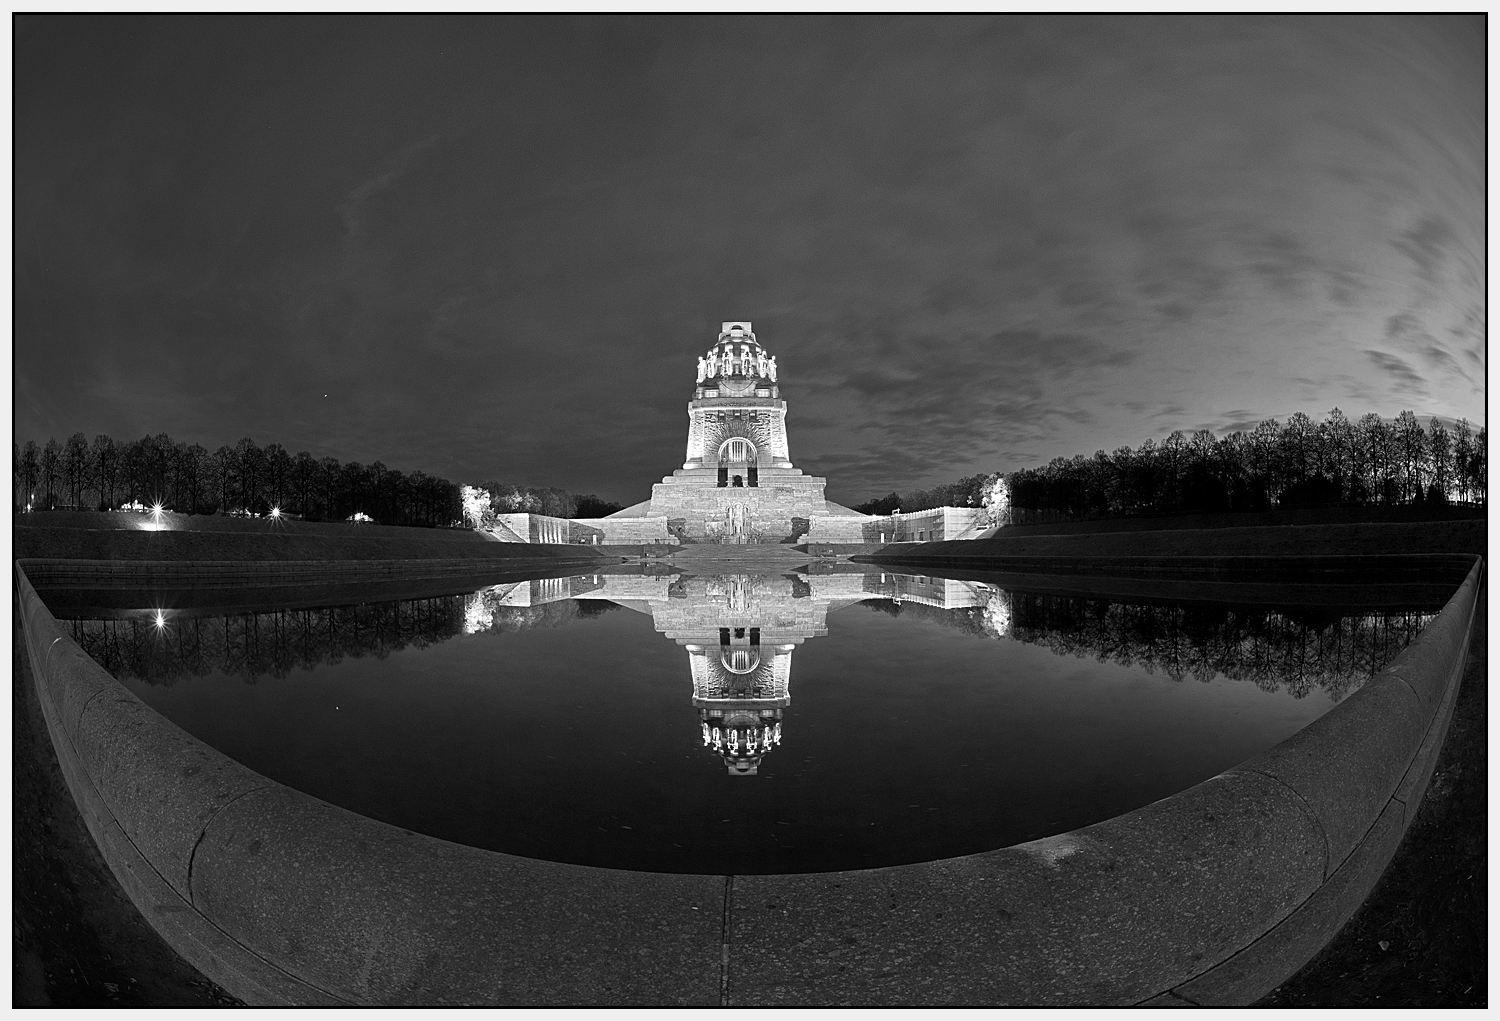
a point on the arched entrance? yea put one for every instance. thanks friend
(738, 463)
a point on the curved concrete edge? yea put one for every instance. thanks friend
(1214, 895)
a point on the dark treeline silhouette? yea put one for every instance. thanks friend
(1298, 651)
(254, 645)
(966, 492)
(1302, 463)
(1276, 650)
(509, 498)
(249, 646)
(242, 479)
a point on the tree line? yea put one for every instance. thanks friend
(1299, 463)
(510, 498)
(107, 474)
(966, 492)
(1295, 650)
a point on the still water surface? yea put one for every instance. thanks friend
(745, 723)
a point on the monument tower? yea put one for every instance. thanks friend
(737, 483)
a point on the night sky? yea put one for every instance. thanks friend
(498, 246)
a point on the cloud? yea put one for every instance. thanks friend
(1439, 357)
(1238, 420)
(350, 210)
(1344, 288)
(1405, 378)
(1398, 326)
(1283, 262)
(938, 404)
(1426, 245)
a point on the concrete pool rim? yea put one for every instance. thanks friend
(1213, 895)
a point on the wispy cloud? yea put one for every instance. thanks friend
(1426, 245)
(351, 209)
(1405, 378)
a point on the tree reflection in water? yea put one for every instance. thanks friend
(1297, 650)
(272, 644)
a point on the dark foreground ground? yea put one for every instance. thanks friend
(1420, 940)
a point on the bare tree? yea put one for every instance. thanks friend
(195, 470)
(224, 469)
(31, 472)
(1463, 452)
(51, 468)
(252, 473)
(75, 467)
(106, 459)
(304, 476)
(1440, 457)
(331, 479)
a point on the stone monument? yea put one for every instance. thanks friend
(737, 484)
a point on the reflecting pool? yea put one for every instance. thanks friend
(650, 718)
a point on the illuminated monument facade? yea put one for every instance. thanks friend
(737, 484)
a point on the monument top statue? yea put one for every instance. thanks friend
(736, 353)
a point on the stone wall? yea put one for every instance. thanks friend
(542, 528)
(769, 508)
(935, 525)
(849, 529)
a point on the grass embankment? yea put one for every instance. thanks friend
(1347, 539)
(1254, 519)
(81, 535)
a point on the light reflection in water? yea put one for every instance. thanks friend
(739, 632)
(932, 717)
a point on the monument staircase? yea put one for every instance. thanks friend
(767, 553)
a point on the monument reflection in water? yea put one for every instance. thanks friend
(739, 631)
(543, 718)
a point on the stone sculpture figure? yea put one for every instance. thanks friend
(771, 368)
(702, 369)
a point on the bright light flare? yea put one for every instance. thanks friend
(154, 522)
(160, 620)
(275, 513)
